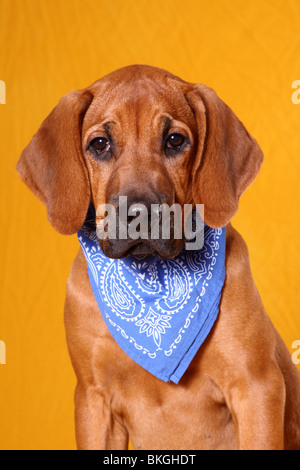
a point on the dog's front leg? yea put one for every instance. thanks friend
(96, 427)
(257, 407)
(96, 424)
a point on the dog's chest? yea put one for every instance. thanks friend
(191, 415)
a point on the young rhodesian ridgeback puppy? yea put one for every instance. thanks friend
(241, 390)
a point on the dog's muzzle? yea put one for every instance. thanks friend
(139, 228)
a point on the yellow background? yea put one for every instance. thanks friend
(248, 51)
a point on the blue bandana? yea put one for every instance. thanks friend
(158, 311)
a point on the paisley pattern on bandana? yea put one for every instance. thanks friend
(159, 311)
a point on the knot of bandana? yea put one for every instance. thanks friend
(158, 311)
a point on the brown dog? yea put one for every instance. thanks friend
(241, 390)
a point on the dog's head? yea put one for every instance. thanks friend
(142, 133)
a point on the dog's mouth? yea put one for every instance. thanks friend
(165, 249)
(140, 231)
(141, 249)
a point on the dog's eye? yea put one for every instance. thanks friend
(99, 146)
(175, 143)
(175, 140)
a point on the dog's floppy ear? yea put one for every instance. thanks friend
(228, 158)
(52, 164)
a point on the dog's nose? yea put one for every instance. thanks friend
(137, 209)
(143, 210)
(138, 215)
(144, 215)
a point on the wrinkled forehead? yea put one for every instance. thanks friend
(138, 99)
